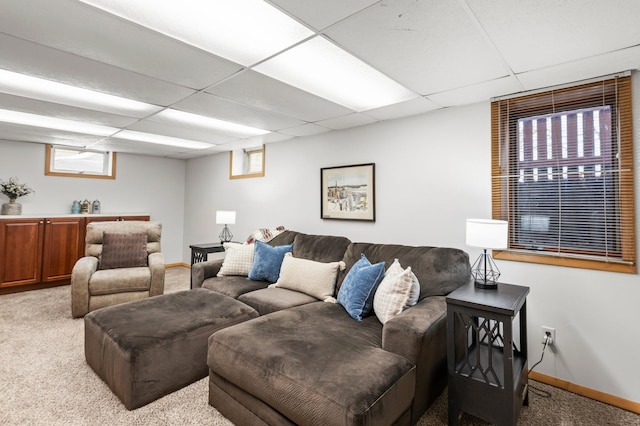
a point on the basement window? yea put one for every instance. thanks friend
(562, 170)
(79, 162)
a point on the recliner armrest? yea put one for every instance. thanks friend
(202, 270)
(157, 268)
(80, 276)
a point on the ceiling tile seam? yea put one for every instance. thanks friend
(485, 35)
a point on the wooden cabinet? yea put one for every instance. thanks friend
(41, 252)
(21, 251)
(63, 246)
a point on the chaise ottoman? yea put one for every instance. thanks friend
(149, 348)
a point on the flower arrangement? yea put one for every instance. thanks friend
(14, 189)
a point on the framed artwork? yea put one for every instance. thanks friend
(348, 192)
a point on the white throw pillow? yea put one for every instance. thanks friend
(414, 293)
(238, 259)
(393, 292)
(316, 279)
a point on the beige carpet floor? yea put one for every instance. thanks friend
(44, 379)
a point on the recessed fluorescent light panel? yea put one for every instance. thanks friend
(46, 90)
(322, 68)
(173, 116)
(243, 31)
(133, 135)
(34, 120)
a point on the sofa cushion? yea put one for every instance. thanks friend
(233, 286)
(316, 279)
(238, 259)
(267, 261)
(393, 292)
(359, 286)
(123, 250)
(439, 270)
(321, 248)
(315, 365)
(269, 300)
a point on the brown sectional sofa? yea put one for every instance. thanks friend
(305, 361)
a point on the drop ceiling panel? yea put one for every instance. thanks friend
(40, 61)
(610, 63)
(184, 132)
(213, 106)
(346, 121)
(403, 109)
(429, 46)
(477, 92)
(136, 147)
(50, 109)
(83, 30)
(260, 91)
(532, 35)
(322, 14)
(17, 132)
(305, 130)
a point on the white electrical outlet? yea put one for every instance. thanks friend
(551, 332)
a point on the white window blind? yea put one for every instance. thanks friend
(562, 169)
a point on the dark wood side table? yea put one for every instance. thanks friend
(487, 367)
(200, 253)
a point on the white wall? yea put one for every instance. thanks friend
(433, 172)
(143, 184)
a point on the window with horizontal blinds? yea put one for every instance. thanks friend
(562, 175)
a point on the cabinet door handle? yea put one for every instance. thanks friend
(41, 222)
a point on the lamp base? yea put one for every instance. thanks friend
(225, 235)
(485, 272)
(487, 285)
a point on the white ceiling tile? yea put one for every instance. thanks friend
(184, 132)
(346, 121)
(260, 91)
(17, 132)
(136, 147)
(403, 109)
(83, 30)
(322, 14)
(428, 46)
(610, 63)
(538, 34)
(216, 107)
(480, 92)
(305, 130)
(32, 106)
(40, 61)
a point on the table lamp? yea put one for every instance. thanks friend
(486, 234)
(225, 217)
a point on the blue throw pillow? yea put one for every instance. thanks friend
(267, 261)
(359, 286)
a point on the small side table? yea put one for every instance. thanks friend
(488, 368)
(200, 253)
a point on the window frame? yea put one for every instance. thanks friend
(502, 206)
(50, 170)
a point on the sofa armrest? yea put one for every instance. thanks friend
(157, 267)
(202, 270)
(80, 276)
(420, 335)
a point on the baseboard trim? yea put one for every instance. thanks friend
(615, 401)
(174, 265)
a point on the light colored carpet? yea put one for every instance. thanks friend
(44, 379)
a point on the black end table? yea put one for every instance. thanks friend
(487, 367)
(200, 253)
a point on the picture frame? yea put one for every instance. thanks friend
(348, 192)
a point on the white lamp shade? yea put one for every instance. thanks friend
(225, 217)
(487, 233)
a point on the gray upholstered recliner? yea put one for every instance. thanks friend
(138, 271)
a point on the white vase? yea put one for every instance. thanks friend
(12, 208)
